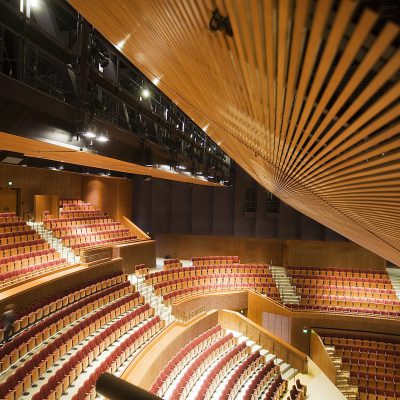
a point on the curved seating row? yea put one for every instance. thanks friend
(175, 273)
(373, 364)
(30, 371)
(46, 306)
(268, 289)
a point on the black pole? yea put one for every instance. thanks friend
(114, 388)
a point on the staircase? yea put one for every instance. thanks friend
(47, 235)
(286, 290)
(342, 377)
(394, 275)
(155, 301)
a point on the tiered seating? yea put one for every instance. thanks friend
(141, 269)
(184, 281)
(172, 263)
(47, 306)
(373, 364)
(213, 361)
(81, 226)
(215, 260)
(93, 318)
(8, 217)
(23, 254)
(345, 290)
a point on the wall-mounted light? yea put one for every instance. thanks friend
(102, 138)
(89, 134)
(145, 93)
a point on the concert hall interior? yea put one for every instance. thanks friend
(200, 199)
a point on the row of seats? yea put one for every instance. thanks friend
(65, 376)
(118, 356)
(105, 309)
(339, 272)
(18, 236)
(383, 283)
(373, 363)
(199, 368)
(66, 201)
(41, 309)
(8, 218)
(268, 289)
(86, 227)
(344, 291)
(35, 270)
(7, 227)
(66, 231)
(53, 223)
(333, 307)
(347, 291)
(8, 250)
(80, 246)
(200, 365)
(229, 361)
(14, 262)
(203, 280)
(185, 355)
(215, 260)
(352, 301)
(176, 273)
(38, 333)
(172, 263)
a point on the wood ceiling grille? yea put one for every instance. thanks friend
(304, 96)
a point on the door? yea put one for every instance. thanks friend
(8, 200)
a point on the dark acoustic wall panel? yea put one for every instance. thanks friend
(202, 210)
(161, 206)
(223, 212)
(181, 208)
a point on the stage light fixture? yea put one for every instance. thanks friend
(90, 134)
(102, 138)
(145, 93)
(220, 23)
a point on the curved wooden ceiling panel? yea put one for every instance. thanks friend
(304, 96)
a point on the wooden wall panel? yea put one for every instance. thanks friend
(321, 357)
(45, 202)
(25, 294)
(112, 195)
(136, 253)
(331, 254)
(257, 305)
(271, 251)
(33, 181)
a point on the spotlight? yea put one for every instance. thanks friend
(89, 134)
(35, 4)
(102, 138)
(145, 93)
(220, 23)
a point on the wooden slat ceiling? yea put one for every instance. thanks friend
(304, 96)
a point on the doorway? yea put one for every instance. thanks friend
(9, 200)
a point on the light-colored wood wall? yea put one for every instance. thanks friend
(275, 251)
(45, 202)
(248, 249)
(33, 181)
(136, 253)
(330, 254)
(26, 294)
(257, 305)
(321, 357)
(266, 339)
(112, 195)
